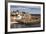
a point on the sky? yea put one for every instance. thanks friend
(28, 9)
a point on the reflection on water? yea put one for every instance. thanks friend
(24, 25)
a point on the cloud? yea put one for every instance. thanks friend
(31, 9)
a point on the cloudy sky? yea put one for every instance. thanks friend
(28, 9)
